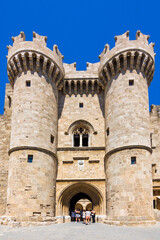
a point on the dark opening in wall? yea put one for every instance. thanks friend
(133, 160)
(107, 131)
(85, 140)
(81, 105)
(131, 82)
(10, 101)
(154, 203)
(52, 139)
(76, 140)
(154, 170)
(30, 158)
(28, 83)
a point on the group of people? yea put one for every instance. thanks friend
(85, 215)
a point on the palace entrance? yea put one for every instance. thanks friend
(81, 195)
(81, 201)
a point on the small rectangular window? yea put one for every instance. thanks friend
(81, 105)
(133, 160)
(52, 139)
(28, 83)
(107, 131)
(131, 82)
(30, 158)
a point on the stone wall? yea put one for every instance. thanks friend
(31, 191)
(155, 140)
(129, 186)
(35, 115)
(127, 111)
(155, 144)
(5, 128)
(70, 112)
(80, 165)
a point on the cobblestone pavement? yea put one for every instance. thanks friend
(79, 231)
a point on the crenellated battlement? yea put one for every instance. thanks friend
(155, 110)
(82, 82)
(33, 56)
(128, 54)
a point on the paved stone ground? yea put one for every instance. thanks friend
(79, 231)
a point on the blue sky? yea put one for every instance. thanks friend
(80, 28)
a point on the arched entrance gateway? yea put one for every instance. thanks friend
(79, 194)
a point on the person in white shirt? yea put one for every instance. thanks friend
(84, 216)
(88, 215)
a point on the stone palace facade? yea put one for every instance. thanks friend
(68, 136)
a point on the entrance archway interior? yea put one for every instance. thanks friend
(76, 198)
(76, 192)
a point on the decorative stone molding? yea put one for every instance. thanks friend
(33, 148)
(80, 124)
(126, 148)
(82, 86)
(35, 57)
(136, 54)
(80, 149)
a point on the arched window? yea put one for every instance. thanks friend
(81, 133)
(81, 137)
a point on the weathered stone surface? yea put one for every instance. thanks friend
(48, 103)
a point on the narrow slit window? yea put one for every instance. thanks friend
(107, 131)
(52, 139)
(30, 158)
(76, 140)
(131, 82)
(81, 105)
(28, 83)
(85, 140)
(154, 203)
(10, 101)
(133, 160)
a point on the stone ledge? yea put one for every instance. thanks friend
(11, 221)
(80, 148)
(129, 223)
(127, 147)
(33, 148)
(156, 180)
(80, 180)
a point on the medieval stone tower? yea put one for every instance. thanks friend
(128, 70)
(71, 138)
(34, 72)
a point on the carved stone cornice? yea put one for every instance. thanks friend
(132, 59)
(128, 55)
(35, 57)
(82, 86)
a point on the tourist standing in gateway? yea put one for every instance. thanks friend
(88, 216)
(93, 214)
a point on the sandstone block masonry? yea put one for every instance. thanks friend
(68, 135)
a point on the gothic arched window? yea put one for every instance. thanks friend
(80, 137)
(81, 133)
